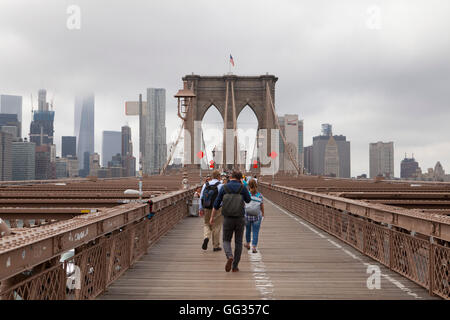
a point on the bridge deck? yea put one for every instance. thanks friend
(296, 261)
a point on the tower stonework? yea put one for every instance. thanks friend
(230, 94)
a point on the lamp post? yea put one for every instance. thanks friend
(184, 97)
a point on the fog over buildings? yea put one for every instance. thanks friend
(373, 81)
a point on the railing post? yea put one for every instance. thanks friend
(431, 268)
(364, 236)
(63, 282)
(104, 243)
(131, 230)
(391, 248)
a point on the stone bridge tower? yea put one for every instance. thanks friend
(230, 94)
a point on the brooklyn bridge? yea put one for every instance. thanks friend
(322, 237)
(319, 240)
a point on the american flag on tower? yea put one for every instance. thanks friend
(231, 60)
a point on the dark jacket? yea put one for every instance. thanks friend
(234, 186)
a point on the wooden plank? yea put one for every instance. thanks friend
(293, 263)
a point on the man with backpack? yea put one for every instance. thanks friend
(208, 195)
(232, 197)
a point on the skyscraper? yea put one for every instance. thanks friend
(85, 171)
(308, 152)
(327, 130)
(12, 105)
(24, 158)
(292, 129)
(300, 145)
(408, 168)
(381, 159)
(291, 136)
(68, 146)
(84, 125)
(153, 131)
(128, 161)
(127, 144)
(12, 130)
(111, 145)
(41, 133)
(42, 100)
(330, 154)
(10, 122)
(5, 156)
(41, 128)
(331, 160)
(61, 168)
(43, 165)
(94, 164)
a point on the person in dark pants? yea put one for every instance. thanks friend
(232, 197)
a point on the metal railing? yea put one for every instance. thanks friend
(420, 259)
(105, 245)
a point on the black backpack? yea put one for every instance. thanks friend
(232, 203)
(209, 195)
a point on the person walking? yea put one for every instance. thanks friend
(208, 195)
(224, 178)
(254, 214)
(232, 197)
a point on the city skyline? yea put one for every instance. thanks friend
(379, 85)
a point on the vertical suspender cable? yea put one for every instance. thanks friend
(225, 125)
(235, 147)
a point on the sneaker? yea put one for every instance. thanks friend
(228, 264)
(217, 249)
(254, 250)
(205, 244)
(235, 269)
(247, 245)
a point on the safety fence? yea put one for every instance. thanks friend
(125, 235)
(419, 259)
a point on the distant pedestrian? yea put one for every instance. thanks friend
(254, 214)
(245, 183)
(197, 192)
(232, 197)
(208, 195)
(224, 178)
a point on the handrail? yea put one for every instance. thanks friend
(25, 249)
(424, 261)
(432, 225)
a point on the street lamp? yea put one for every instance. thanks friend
(184, 97)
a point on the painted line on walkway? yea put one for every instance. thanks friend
(395, 282)
(262, 279)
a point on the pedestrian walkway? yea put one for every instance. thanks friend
(295, 261)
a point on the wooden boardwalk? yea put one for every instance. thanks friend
(295, 261)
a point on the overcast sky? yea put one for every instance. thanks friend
(376, 70)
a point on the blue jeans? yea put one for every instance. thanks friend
(255, 225)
